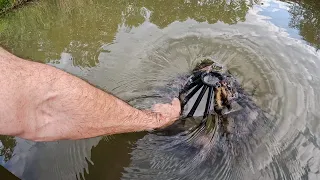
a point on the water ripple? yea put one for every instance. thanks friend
(280, 82)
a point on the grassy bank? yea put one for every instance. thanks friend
(9, 4)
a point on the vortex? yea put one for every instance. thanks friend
(278, 75)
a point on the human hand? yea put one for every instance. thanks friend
(167, 113)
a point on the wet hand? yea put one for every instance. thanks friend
(167, 113)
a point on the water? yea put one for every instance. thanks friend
(135, 48)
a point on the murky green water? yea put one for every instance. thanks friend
(135, 48)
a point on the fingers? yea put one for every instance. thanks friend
(169, 113)
(175, 102)
(159, 107)
(168, 110)
(177, 106)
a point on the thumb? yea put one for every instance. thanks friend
(176, 104)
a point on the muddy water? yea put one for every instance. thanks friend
(134, 49)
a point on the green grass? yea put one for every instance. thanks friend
(8, 4)
(5, 4)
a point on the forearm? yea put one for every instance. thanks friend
(48, 104)
(73, 109)
(82, 111)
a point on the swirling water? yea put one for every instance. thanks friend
(139, 56)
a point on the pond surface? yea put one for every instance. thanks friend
(134, 49)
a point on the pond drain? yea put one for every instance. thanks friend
(213, 82)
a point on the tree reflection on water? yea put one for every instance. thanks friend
(45, 29)
(7, 147)
(305, 16)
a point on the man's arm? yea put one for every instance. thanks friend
(42, 103)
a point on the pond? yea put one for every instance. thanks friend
(135, 48)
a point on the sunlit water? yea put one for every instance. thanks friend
(140, 53)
